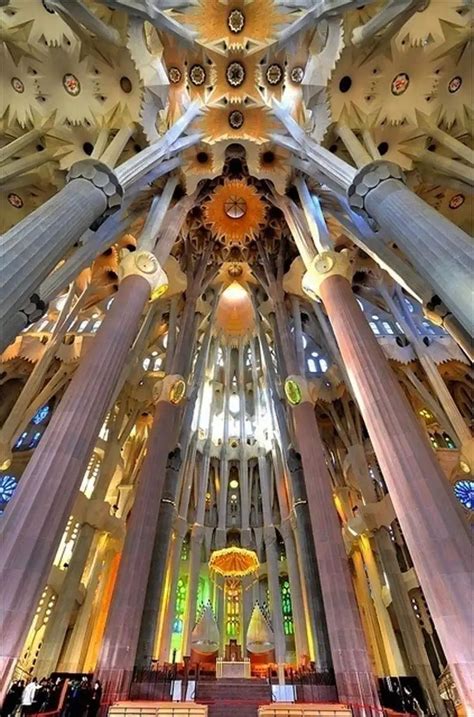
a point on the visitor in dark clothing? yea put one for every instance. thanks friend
(12, 698)
(80, 698)
(95, 700)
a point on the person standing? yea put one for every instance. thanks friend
(12, 698)
(80, 698)
(95, 700)
(28, 698)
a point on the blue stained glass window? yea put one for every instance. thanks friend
(464, 492)
(35, 439)
(21, 440)
(7, 488)
(40, 415)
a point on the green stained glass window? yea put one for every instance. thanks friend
(180, 605)
(233, 613)
(286, 606)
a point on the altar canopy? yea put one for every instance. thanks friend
(234, 562)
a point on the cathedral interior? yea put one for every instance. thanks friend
(235, 330)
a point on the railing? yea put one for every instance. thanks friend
(156, 682)
(310, 685)
(152, 683)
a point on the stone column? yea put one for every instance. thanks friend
(438, 249)
(301, 642)
(167, 514)
(312, 594)
(392, 656)
(435, 532)
(33, 247)
(367, 613)
(197, 535)
(294, 576)
(79, 642)
(56, 628)
(119, 647)
(408, 623)
(30, 530)
(168, 603)
(354, 678)
(272, 558)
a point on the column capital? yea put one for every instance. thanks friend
(324, 265)
(102, 177)
(366, 180)
(146, 265)
(171, 389)
(298, 390)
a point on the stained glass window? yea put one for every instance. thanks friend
(179, 606)
(34, 440)
(287, 607)
(233, 612)
(21, 440)
(7, 488)
(41, 415)
(464, 492)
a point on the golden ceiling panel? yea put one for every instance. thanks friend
(235, 24)
(235, 212)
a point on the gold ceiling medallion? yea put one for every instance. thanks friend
(274, 74)
(236, 119)
(400, 84)
(236, 21)
(174, 75)
(297, 74)
(17, 85)
(235, 212)
(197, 75)
(235, 74)
(71, 84)
(235, 207)
(223, 27)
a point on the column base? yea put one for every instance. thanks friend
(352, 684)
(115, 684)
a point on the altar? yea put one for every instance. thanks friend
(232, 669)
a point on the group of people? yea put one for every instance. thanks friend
(32, 697)
(23, 700)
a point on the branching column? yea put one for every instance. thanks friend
(31, 249)
(156, 578)
(119, 647)
(269, 535)
(354, 678)
(312, 594)
(436, 534)
(30, 530)
(440, 251)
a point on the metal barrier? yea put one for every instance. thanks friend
(152, 684)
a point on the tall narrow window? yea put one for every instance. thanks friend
(286, 606)
(179, 606)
